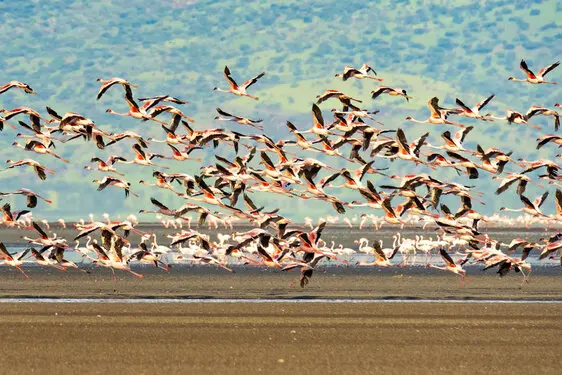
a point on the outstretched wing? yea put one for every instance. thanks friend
(526, 69)
(544, 71)
(230, 80)
(250, 82)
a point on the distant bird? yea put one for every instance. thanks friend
(556, 139)
(474, 112)
(535, 78)
(361, 73)
(31, 197)
(16, 84)
(134, 110)
(531, 208)
(238, 119)
(106, 166)
(538, 110)
(437, 117)
(342, 97)
(239, 90)
(306, 268)
(10, 218)
(148, 103)
(111, 181)
(34, 116)
(513, 117)
(15, 260)
(450, 264)
(390, 91)
(39, 148)
(381, 259)
(37, 167)
(106, 84)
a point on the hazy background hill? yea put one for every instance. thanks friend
(448, 49)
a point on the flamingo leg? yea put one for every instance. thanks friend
(136, 274)
(19, 269)
(114, 277)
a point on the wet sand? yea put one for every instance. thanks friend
(248, 282)
(280, 338)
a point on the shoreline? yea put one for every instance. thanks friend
(207, 282)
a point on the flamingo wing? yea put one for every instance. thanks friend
(485, 102)
(529, 72)
(251, 81)
(230, 80)
(546, 70)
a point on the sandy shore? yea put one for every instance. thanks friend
(249, 282)
(280, 338)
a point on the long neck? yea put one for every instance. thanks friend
(513, 210)
(116, 113)
(418, 121)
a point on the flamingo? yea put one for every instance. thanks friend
(390, 91)
(37, 167)
(111, 181)
(361, 73)
(16, 84)
(14, 260)
(107, 83)
(437, 117)
(532, 77)
(450, 264)
(39, 148)
(239, 90)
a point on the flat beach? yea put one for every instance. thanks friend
(280, 338)
(296, 335)
(334, 282)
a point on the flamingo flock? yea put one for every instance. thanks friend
(224, 190)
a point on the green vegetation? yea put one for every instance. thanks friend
(180, 47)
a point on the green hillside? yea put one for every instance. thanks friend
(179, 47)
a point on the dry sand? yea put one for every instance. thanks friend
(280, 338)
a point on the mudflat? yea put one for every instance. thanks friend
(280, 338)
(250, 282)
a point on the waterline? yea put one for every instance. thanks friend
(277, 300)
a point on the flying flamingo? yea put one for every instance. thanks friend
(239, 90)
(437, 117)
(532, 77)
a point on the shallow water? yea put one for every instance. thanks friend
(347, 238)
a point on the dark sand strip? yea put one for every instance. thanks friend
(250, 283)
(227, 338)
